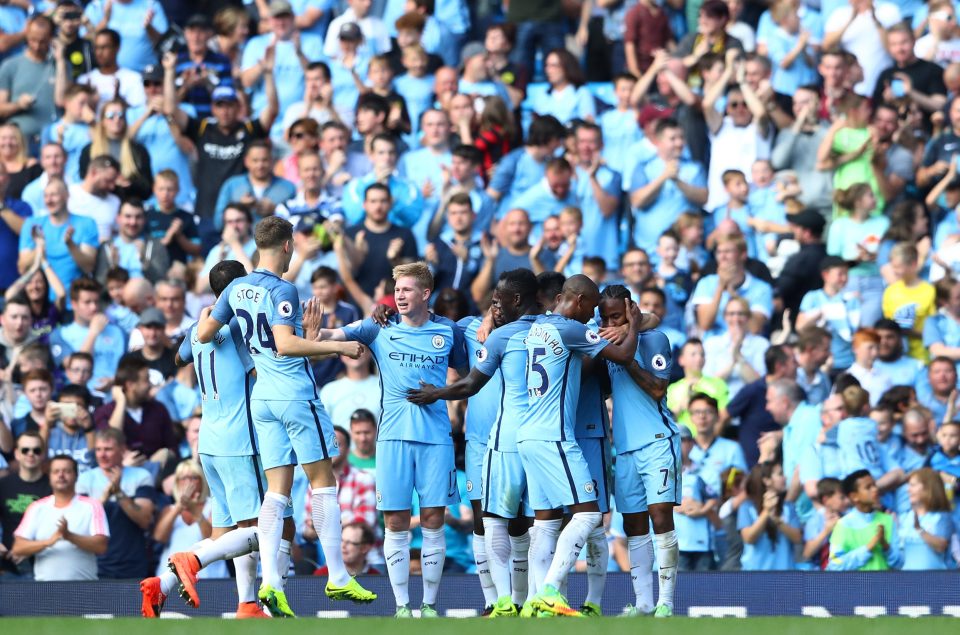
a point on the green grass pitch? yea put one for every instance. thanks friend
(558, 626)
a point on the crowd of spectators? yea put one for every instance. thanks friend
(778, 182)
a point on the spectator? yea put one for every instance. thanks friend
(357, 389)
(767, 523)
(909, 301)
(921, 81)
(692, 517)
(187, 521)
(26, 82)
(540, 27)
(127, 496)
(175, 228)
(665, 186)
(735, 355)
(78, 51)
(796, 149)
(357, 542)
(66, 531)
(713, 454)
(375, 32)
(940, 44)
(374, 243)
(455, 261)
(109, 78)
(550, 196)
(890, 355)
(156, 350)
(820, 460)
(945, 458)
(236, 241)
(17, 157)
(258, 188)
(858, 444)
(200, 68)
(795, 281)
(89, 332)
(713, 291)
(692, 360)
(750, 404)
(141, 255)
(861, 28)
(619, 125)
(896, 164)
(363, 433)
(145, 422)
(72, 130)
(647, 30)
(817, 529)
(865, 539)
(522, 168)
(567, 98)
(317, 105)
(941, 332)
(222, 139)
(53, 163)
(18, 490)
(511, 250)
(833, 310)
(45, 295)
(141, 24)
(813, 352)
(800, 420)
(72, 434)
(303, 135)
(406, 202)
(938, 155)
(110, 137)
(38, 389)
(94, 196)
(926, 531)
(710, 35)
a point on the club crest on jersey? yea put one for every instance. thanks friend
(593, 337)
(588, 487)
(482, 354)
(659, 362)
(438, 341)
(285, 309)
(469, 486)
(379, 497)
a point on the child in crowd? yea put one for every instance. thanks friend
(692, 518)
(380, 76)
(72, 131)
(946, 458)
(831, 505)
(571, 254)
(736, 209)
(172, 226)
(909, 301)
(865, 539)
(728, 543)
(677, 284)
(415, 85)
(117, 312)
(767, 521)
(790, 50)
(619, 125)
(692, 256)
(833, 309)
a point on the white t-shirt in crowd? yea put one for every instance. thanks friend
(734, 148)
(64, 560)
(131, 86)
(863, 40)
(946, 52)
(103, 211)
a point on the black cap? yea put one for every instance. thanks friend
(832, 262)
(198, 21)
(351, 32)
(809, 219)
(152, 73)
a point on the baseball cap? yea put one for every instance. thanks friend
(152, 316)
(832, 262)
(652, 112)
(152, 73)
(809, 219)
(199, 21)
(223, 93)
(280, 7)
(472, 49)
(350, 32)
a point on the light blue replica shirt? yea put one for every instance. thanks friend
(407, 200)
(712, 461)
(566, 105)
(407, 355)
(859, 448)
(165, 154)
(482, 407)
(505, 352)
(126, 18)
(917, 554)
(756, 292)
(693, 534)
(638, 420)
(841, 317)
(764, 554)
(555, 346)
(516, 173)
(600, 235)
(651, 221)
(222, 367)
(620, 132)
(63, 264)
(260, 301)
(108, 348)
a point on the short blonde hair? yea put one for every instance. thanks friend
(189, 467)
(419, 271)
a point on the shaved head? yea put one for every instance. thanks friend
(580, 284)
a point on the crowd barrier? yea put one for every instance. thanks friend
(715, 594)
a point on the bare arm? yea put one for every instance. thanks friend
(290, 345)
(647, 381)
(91, 544)
(139, 510)
(463, 388)
(269, 114)
(25, 548)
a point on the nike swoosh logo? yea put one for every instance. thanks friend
(482, 562)
(394, 555)
(393, 338)
(549, 605)
(663, 491)
(430, 555)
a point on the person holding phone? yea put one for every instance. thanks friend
(72, 431)
(910, 77)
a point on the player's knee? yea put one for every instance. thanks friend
(636, 524)
(662, 517)
(518, 526)
(432, 517)
(397, 521)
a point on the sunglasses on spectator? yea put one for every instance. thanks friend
(301, 135)
(113, 115)
(36, 451)
(736, 314)
(222, 103)
(73, 15)
(736, 104)
(148, 84)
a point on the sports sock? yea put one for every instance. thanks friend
(167, 582)
(598, 555)
(498, 551)
(668, 552)
(541, 553)
(532, 585)
(230, 545)
(519, 548)
(433, 555)
(246, 566)
(283, 562)
(641, 564)
(483, 570)
(326, 522)
(569, 545)
(396, 551)
(270, 527)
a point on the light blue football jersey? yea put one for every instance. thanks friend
(482, 407)
(592, 419)
(505, 353)
(407, 355)
(638, 420)
(859, 448)
(555, 347)
(222, 367)
(260, 301)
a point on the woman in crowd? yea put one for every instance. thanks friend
(109, 136)
(45, 293)
(21, 168)
(925, 532)
(768, 523)
(567, 97)
(304, 138)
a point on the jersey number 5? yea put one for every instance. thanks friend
(262, 328)
(537, 367)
